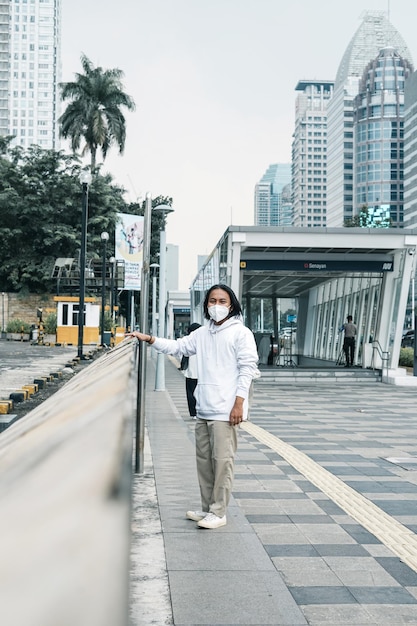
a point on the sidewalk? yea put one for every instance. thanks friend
(321, 528)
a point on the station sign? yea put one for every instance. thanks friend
(302, 265)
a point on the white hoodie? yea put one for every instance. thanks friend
(226, 363)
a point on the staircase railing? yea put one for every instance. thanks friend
(384, 355)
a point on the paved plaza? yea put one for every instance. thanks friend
(321, 527)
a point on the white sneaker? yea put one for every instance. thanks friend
(196, 516)
(212, 521)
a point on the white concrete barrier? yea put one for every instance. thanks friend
(65, 492)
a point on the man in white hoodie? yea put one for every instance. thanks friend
(227, 363)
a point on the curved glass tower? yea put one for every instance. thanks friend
(374, 33)
(379, 138)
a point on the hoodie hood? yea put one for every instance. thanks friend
(214, 328)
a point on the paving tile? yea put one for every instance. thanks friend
(306, 572)
(382, 595)
(398, 570)
(291, 550)
(360, 534)
(322, 595)
(340, 615)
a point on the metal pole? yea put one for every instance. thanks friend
(144, 307)
(160, 359)
(154, 304)
(103, 286)
(82, 268)
(112, 262)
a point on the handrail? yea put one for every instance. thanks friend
(65, 493)
(384, 356)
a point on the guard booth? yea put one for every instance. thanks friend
(67, 320)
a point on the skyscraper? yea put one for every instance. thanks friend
(374, 33)
(309, 149)
(268, 194)
(410, 152)
(30, 71)
(379, 139)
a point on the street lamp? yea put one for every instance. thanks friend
(85, 179)
(104, 239)
(160, 359)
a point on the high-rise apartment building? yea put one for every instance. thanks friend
(268, 195)
(378, 133)
(309, 153)
(30, 71)
(374, 33)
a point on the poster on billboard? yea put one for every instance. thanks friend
(129, 248)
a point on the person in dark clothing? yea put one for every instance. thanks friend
(191, 377)
(349, 341)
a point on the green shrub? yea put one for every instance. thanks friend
(17, 326)
(49, 325)
(406, 357)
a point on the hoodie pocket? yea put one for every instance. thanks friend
(211, 399)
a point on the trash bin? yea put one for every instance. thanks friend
(106, 337)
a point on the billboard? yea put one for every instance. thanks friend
(129, 248)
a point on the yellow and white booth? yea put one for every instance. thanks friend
(67, 320)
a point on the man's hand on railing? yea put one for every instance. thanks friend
(141, 336)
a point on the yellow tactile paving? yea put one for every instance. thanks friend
(397, 537)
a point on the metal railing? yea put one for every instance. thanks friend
(384, 355)
(65, 485)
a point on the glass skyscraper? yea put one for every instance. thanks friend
(269, 198)
(379, 138)
(374, 33)
(30, 71)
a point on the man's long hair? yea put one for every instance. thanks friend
(236, 309)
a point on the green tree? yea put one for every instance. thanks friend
(364, 220)
(94, 113)
(40, 204)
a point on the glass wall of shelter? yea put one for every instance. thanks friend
(298, 285)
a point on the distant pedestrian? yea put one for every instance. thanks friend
(349, 340)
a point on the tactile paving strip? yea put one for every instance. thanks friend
(397, 537)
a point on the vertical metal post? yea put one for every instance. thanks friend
(2, 314)
(82, 268)
(112, 262)
(160, 359)
(154, 332)
(144, 307)
(415, 349)
(104, 237)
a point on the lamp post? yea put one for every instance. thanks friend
(85, 179)
(112, 263)
(104, 239)
(160, 359)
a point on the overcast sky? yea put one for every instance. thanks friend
(214, 85)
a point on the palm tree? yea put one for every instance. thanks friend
(94, 113)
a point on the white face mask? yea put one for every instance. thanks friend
(218, 312)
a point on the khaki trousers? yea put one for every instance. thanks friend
(216, 444)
